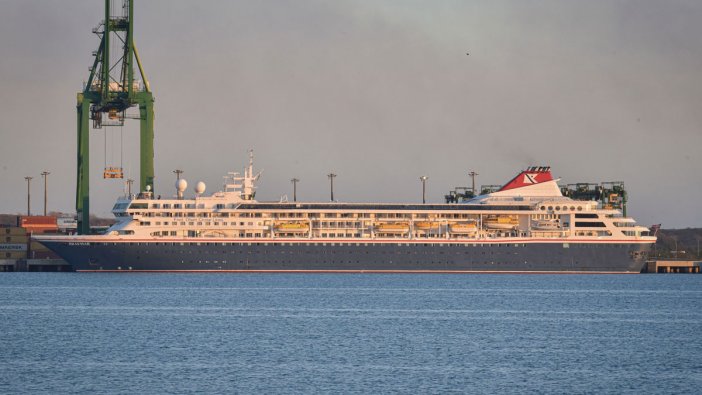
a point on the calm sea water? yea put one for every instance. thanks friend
(228, 333)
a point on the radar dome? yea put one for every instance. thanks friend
(148, 188)
(181, 185)
(200, 187)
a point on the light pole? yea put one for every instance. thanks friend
(45, 174)
(178, 173)
(331, 183)
(294, 182)
(424, 179)
(472, 175)
(129, 187)
(29, 179)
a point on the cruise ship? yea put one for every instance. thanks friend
(526, 226)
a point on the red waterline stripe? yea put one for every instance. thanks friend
(356, 271)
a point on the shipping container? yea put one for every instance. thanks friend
(37, 230)
(13, 247)
(37, 220)
(13, 231)
(38, 224)
(13, 255)
(67, 223)
(4, 239)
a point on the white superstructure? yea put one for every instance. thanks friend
(531, 206)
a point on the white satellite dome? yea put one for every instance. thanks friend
(181, 185)
(148, 188)
(200, 187)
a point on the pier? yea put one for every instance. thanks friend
(673, 266)
(34, 265)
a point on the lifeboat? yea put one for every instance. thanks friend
(463, 227)
(393, 227)
(292, 227)
(500, 223)
(546, 224)
(426, 225)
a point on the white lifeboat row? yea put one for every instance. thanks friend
(463, 227)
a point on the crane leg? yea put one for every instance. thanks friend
(83, 180)
(146, 126)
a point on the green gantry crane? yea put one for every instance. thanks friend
(110, 90)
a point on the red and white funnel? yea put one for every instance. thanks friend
(530, 176)
(535, 181)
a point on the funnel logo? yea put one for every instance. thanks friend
(530, 178)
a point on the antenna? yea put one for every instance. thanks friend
(424, 179)
(331, 181)
(472, 175)
(129, 187)
(294, 182)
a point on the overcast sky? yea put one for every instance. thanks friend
(379, 92)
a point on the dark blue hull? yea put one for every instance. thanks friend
(353, 256)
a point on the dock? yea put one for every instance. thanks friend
(34, 265)
(675, 266)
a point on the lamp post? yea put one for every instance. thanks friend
(178, 173)
(472, 175)
(45, 174)
(129, 187)
(294, 182)
(424, 179)
(331, 183)
(29, 179)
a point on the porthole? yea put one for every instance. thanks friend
(580, 208)
(558, 208)
(543, 207)
(550, 208)
(572, 208)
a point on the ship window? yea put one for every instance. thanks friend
(580, 208)
(550, 208)
(558, 208)
(589, 224)
(586, 216)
